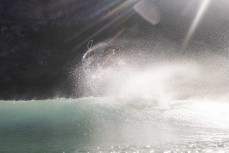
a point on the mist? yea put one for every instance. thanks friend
(157, 72)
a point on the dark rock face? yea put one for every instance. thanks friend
(42, 41)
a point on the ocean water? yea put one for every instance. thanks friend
(103, 125)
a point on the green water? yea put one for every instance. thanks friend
(107, 125)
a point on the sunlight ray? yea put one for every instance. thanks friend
(195, 23)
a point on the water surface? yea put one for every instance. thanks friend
(113, 125)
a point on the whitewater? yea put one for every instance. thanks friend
(135, 101)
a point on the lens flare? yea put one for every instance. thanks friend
(196, 21)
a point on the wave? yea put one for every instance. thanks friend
(70, 124)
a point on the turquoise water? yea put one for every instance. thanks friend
(112, 125)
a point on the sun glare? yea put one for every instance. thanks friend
(199, 16)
